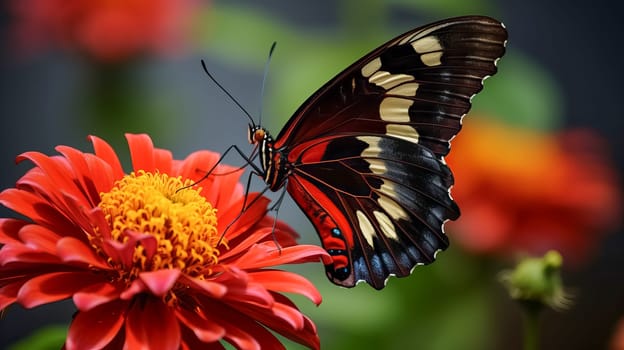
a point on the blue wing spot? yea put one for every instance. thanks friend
(341, 273)
(336, 232)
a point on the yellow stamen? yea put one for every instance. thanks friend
(183, 223)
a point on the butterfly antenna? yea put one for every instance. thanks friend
(226, 92)
(264, 77)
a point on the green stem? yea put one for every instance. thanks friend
(531, 313)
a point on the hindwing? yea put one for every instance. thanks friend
(378, 203)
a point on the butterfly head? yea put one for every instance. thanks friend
(256, 134)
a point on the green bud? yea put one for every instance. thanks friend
(538, 281)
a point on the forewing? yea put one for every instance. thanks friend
(417, 86)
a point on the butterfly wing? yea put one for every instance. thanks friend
(366, 150)
(378, 203)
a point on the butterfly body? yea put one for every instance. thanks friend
(363, 157)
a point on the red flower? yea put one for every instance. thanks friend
(147, 265)
(522, 191)
(108, 31)
(617, 339)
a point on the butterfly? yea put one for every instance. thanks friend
(363, 157)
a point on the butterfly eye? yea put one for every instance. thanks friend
(255, 134)
(259, 135)
(252, 134)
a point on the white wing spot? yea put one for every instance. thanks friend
(427, 44)
(430, 49)
(377, 166)
(431, 59)
(389, 204)
(394, 109)
(365, 227)
(408, 89)
(371, 154)
(388, 81)
(403, 131)
(373, 150)
(387, 228)
(371, 67)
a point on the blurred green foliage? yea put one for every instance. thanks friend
(47, 338)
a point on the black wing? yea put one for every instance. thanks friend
(366, 151)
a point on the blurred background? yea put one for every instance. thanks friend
(538, 165)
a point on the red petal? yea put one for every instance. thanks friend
(70, 249)
(147, 240)
(81, 173)
(195, 165)
(289, 315)
(142, 152)
(218, 190)
(293, 316)
(95, 328)
(120, 253)
(250, 217)
(307, 335)
(8, 293)
(287, 282)
(252, 293)
(243, 340)
(22, 254)
(100, 174)
(38, 210)
(284, 234)
(204, 329)
(161, 281)
(78, 213)
(9, 229)
(39, 238)
(152, 325)
(104, 151)
(95, 295)
(52, 177)
(190, 342)
(251, 238)
(210, 288)
(241, 330)
(266, 254)
(136, 287)
(230, 276)
(163, 160)
(99, 220)
(56, 170)
(124, 252)
(224, 191)
(54, 287)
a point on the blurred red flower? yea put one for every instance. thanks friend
(526, 192)
(148, 266)
(105, 30)
(617, 339)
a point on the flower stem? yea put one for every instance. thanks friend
(531, 313)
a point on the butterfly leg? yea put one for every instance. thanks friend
(246, 206)
(248, 161)
(276, 207)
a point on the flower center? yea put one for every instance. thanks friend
(183, 223)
